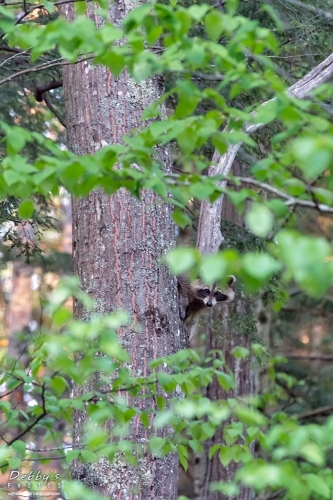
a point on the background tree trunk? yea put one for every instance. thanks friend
(226, 327)
(117, 244)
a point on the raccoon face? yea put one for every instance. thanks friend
(211, 296)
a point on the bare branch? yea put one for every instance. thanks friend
(209, 236)
(54, 110)
(41, 93)
(58, 62)
(15, 55)
(290, 200)
(40, 88)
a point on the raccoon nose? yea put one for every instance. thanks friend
(209, 303)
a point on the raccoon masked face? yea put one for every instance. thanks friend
(211, 296)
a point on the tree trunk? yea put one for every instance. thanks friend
(117, 244)
(227, 327)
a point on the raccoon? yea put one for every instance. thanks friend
(195, 297)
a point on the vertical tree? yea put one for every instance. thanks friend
(118, 242)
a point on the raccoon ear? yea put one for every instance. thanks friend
(231, 280)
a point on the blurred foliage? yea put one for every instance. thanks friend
(292, 456)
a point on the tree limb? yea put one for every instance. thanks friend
(290, 200)
(209, 236)
(49, 104)
(41, 88)
(57, 62)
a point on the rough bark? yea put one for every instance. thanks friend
(226, 327)
(117, 244)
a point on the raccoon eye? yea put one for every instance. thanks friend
(206, 290)
(221, 297)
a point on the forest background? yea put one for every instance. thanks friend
(245, 422)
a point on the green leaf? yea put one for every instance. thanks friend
(259, 220)
(114, 60)
(240, 352)
(202, 190)
(80, 8)
(145, 420)
(71, 455)
(26, 209)
(214, 24)
(197, 12)
(16, 139)
(156, 444)
(76, 491)
(318, 485)
(313, 454)
(213, 268)
(4, 11)
(14, 463)
(181, 260)
(225, 380)
(313, 154)
(181, 219)
(213, 450)
(58, 385)
(309, 262)
(20, 447)
(226, 455)
(49, 6)
(88, 456)
(261, 266)
(232, 6)
(182, 453)
(136, 17)
(12, 177)
(250, 416)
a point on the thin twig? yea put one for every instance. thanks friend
(11, 392)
